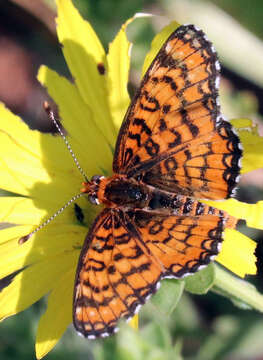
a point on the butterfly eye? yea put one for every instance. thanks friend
(96, 179)
(93, 199)
(139, 177)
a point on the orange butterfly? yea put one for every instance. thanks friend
(173, 148)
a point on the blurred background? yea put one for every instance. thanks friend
(202, 327)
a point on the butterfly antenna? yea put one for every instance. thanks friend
(51, 116)
(23, 239)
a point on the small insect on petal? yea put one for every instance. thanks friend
(101, 68)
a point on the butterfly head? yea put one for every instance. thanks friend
(93, 188)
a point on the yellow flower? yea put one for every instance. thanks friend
(38, 175)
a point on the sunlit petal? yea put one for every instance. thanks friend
(19, 145)
(134, 322)
(44, 245)
(237, 253)
(57, 316)
(157, 42)
(252, 213)
(118, 60)
(34, 282)
(84, 53)
(84, 135)
(252, 143)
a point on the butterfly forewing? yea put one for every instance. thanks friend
(175, 113)
(207, 169)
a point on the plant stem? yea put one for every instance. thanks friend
(237, 289)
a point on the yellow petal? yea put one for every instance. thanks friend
(252, 144)
(157, 43)
(35, 164)
(252, 213)
(20, 210)
(237, 253)
(134, 322)
(53, 240)
(85, 137)
(13, 127)
(58, 315)
(83, 53)
(118, 60)
(19, 146)
(34, 282)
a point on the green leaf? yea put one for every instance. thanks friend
(202, 281)
(9, 193)
(157, 334)
(152, 342)
(130, 344)
(168, 296)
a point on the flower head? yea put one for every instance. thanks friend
(39, 176)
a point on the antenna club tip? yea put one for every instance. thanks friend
(46, 106)
(24, 239)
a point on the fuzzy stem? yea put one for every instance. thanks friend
(241, 292)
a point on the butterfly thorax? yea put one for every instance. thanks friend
(116, 191)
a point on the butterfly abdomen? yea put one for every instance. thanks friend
(180, 205)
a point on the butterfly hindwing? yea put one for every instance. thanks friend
(115, 276)
(125, 256)
(182, 244)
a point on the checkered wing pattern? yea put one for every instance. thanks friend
(174, 136)
(125, 256)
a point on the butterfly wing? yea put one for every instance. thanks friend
(115, 276)
(127, 253)
(205, 170)
(173, 135)
(182, 244)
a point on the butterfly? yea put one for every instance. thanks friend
(174, 148)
